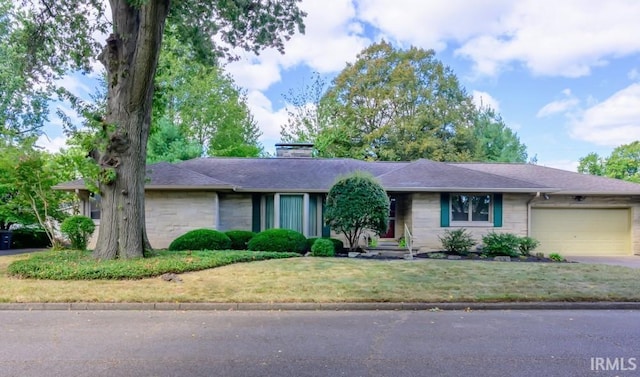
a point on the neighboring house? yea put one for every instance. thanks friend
(570, 213)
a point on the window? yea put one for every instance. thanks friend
(299, 212)
(470, 207)
(462, 209)
(94, 205)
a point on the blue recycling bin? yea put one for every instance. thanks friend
(5, 239)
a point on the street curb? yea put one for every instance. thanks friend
(347, 306)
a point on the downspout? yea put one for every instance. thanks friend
(536, 196)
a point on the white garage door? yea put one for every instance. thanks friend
(571, 231)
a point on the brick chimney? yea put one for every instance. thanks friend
(297, 150)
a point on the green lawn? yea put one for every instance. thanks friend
(346, 280)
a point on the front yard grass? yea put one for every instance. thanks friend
(346, 280)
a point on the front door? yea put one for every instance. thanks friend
(391, 230)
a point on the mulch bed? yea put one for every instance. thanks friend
(470, 257)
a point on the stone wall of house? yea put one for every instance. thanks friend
(235, 212)
(425, 219)
(170, 214)
(424, 215)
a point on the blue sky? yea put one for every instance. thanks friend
(565, 75)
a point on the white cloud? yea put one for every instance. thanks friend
(568, 165)
(332, 37)
(268, 119)
(52, 145)
(431, 24)
(567, 38)
(612, 122)
(484, 100)
(559, 106)
(564, 105)
(634, 74)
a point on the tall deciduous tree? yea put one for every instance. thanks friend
(23, 103)
(202, 102)
(496, 141)
(61, 38)
(394, 104)
(623, 163)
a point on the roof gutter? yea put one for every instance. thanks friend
(529, 202)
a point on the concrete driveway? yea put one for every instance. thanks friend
(632, 261)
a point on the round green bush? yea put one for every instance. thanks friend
(284, 240)
(322, 248)
(78, 229)
(201, 239)
(338, 245)
(239, 238)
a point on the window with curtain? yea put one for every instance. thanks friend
(292, 212)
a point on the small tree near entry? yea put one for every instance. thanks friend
(355, 204)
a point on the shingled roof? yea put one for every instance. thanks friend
(318, 175)
(566, 182)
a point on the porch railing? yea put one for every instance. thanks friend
(408, 239)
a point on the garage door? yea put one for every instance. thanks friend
(571, 231)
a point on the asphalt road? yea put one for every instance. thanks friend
(322, 343)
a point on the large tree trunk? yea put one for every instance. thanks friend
(130, 58)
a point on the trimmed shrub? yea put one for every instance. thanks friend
(338, 245)
(323, 247)
(501, 244)
(282, 240)
(240, 238)
(457, 242)
(27, 238)
(201, 239)
(357, 204)
(78, 229)
(527, 245)
(556, 257)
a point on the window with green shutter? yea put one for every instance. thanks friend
(471, 209)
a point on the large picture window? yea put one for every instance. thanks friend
(471, 208)
(299, 212)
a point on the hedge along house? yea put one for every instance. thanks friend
(570, 213)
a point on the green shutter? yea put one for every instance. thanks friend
(497, 210)
(444, 209)
(326, 229)
(255, 214)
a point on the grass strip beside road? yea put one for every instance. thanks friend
(347, 280)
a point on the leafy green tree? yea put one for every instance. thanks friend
(23, 103)
(168, 143)
(496, 141)
(60, 37)
(26, 177)
(591, 164)
(623, 163)
(355, 204)
(396, 104)
(203, 102)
